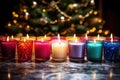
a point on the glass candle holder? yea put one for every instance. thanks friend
(42, 50)
(94, 50)
(111, 50)
(8, 50)
(76, 51)
(24, 50)
(59, 50)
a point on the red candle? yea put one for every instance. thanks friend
(42, 50)
(8, 50)
(24, 49)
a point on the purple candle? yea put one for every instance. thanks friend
(42, 50)
(8, 50)
(76, 51)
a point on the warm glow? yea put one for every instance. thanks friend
(111, 74)
(90, 12)
(94, 75)
(12, 37)
(8, 38)
(14, 21)
(44, 10)
(26, 13)
(93, 29)
(16, 15)
(43, 76)
(100, 31)
(80, 16)
(9, 75)
(74, 36)
(9, 24)
(95, 12)
(98, 36)
(13, 13)
(62, 17)
(59, 76)
(42, 39)
(27, 36)
(24, 40)
(25, 10)
(111, 35)
(58, 37)
(34, 3)
(106, 32)
(28, 26)
(99, 20)
(45, 36)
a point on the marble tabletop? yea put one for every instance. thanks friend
(50, 70)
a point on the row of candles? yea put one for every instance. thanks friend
(60, 48)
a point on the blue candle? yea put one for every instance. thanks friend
(111, 50)
(76, 51)
(94, 50)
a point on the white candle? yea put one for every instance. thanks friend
(59, 50)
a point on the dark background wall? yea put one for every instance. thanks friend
(110, 14)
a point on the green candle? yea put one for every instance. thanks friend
(94, 50)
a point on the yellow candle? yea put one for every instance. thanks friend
(59, 50)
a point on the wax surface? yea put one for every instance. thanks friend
(111, 50)
(42, 50)
(76, 50)
(94, 50)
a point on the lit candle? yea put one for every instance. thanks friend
(76, 51)
(42, 50)
(94, 50)
(8, 49)
(111, 50)
(86, 38)
(24, 49)
(59, 50)
(71, 38)
(99, 38)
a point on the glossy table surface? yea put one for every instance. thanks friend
(50, 70)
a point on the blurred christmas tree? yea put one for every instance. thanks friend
(50, 17)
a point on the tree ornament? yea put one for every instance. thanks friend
(43, 21)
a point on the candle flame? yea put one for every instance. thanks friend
(98, 36)
(74, 36)
(8, 38)
(59, 37)
(45, 36)
(94, 41)
(24, 40)
(12, 37)
(86, 37)
(27, 36)
(111, 37)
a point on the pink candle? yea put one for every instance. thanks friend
(8, 50)
(24, 49)
(42, 50)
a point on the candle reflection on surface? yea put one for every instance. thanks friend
(9, 75)
(110, 74)
(43, 76)
(59, 76)
(94, 75)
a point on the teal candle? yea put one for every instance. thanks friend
(94, 50)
